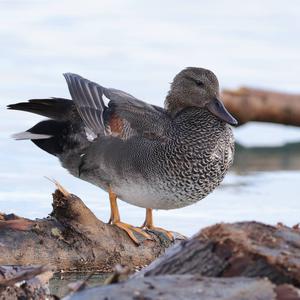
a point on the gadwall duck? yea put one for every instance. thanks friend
(148, 156)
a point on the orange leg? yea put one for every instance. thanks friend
(148, 224)
(115, 220)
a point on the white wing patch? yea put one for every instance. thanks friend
(90, 135)
(105, 100)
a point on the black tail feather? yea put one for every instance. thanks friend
(55, 144)
(53, 108)
(63, 132)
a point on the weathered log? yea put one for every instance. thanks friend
(239, 250)
(72, 238)
(25, 282)
(248, 104)
(247, 249)
(190, 287)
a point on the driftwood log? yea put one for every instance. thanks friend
(236, 252)
(73, 239)
(190, 287)
(248, 249)
(248, 104)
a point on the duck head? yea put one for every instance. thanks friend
(197, 87)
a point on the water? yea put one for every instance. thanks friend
(138, 47)
(58, 285)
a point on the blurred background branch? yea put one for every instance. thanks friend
(248, 104)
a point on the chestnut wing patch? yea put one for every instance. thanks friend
(116, 125)
(119, 127)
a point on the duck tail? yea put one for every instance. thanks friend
(53, 108)
(63, 131)
(47, 135)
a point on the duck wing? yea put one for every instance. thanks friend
(124, 117)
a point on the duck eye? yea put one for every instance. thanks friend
(199, 83)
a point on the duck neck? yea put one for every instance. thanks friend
(174, 105)
(194, 118)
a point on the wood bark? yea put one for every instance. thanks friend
(247, 249)
(25, 283)
(248, 104)
(193, 268)
(218, 263)
(190, 287)
(73, 239)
